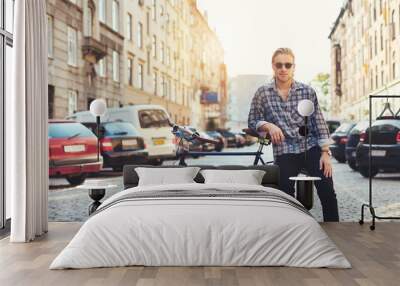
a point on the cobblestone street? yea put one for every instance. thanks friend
(71, 204)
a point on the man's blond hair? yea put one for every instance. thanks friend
(284, 51)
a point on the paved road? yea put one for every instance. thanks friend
(70, 204)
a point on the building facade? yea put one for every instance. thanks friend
(365, 57)
(135, 52)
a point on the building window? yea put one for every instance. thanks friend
(393, 26)
(169, 89)
(102, 11)
(154, 47)
(148, 23)
(50, 36)
(381, 37)
(148, 62)
(88, 27)
(371, 81)
(370, 47)
(154, 10)
(163, 86)
(140, 76)
(162, 55)
(72, 101)
(155, 82)
(116, 66)
(140, 35)
(101, 67)
(376, 44)
(168, 56)
(129, 27)
(72, 46)
(130, 71)
(51, 100)
(6, 71)
(115, 15)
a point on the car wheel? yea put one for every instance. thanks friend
(75, 180)
(340, 159)
(364, 171)
(353, 165)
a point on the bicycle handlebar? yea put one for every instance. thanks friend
(189, 135)
(254, 133)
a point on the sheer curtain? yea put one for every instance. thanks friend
(26, 119)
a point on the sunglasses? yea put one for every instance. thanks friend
(286, 65)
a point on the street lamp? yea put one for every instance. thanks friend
(304, 184)
(305, 108)
(98, 107)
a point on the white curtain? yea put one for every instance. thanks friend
(26, 127)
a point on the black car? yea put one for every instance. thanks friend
(385, 147)
(120, 144)
(332, 125)
(217, 136)
(230, 137)
(340, 137)
(352, 142)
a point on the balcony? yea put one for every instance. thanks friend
(93, 50)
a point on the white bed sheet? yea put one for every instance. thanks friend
(200, 232)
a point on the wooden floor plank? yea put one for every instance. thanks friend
(374, 255)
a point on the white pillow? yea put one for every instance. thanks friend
(249, 177)
(164, 176)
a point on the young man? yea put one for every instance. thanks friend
(274, 111)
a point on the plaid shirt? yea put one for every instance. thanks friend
(268, 106)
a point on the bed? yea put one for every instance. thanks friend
(198, 224)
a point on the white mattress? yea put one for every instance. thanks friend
(202, 231)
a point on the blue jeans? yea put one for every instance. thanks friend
(290, 165)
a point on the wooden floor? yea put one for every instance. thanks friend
(374, 255)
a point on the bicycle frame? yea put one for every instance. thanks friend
(182, 153)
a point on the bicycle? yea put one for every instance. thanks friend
(184, 134)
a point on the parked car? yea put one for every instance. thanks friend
(229, 137)
(385, 145)
(249, 140)
(206, 145)
(217, 136)
(352, 142)
(195, 145)
(340, 137)
(240, 139)
(120, 144)
(152, 123)
(332, 125)
(72, 151)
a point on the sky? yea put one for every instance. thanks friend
(250, 31)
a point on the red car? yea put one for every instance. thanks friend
(72, 151)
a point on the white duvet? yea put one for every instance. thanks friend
(200, 231)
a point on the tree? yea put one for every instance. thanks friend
(321, 84)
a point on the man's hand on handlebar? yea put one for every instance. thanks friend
(274, 131)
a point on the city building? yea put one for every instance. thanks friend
(135, 52)
(365, 57)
